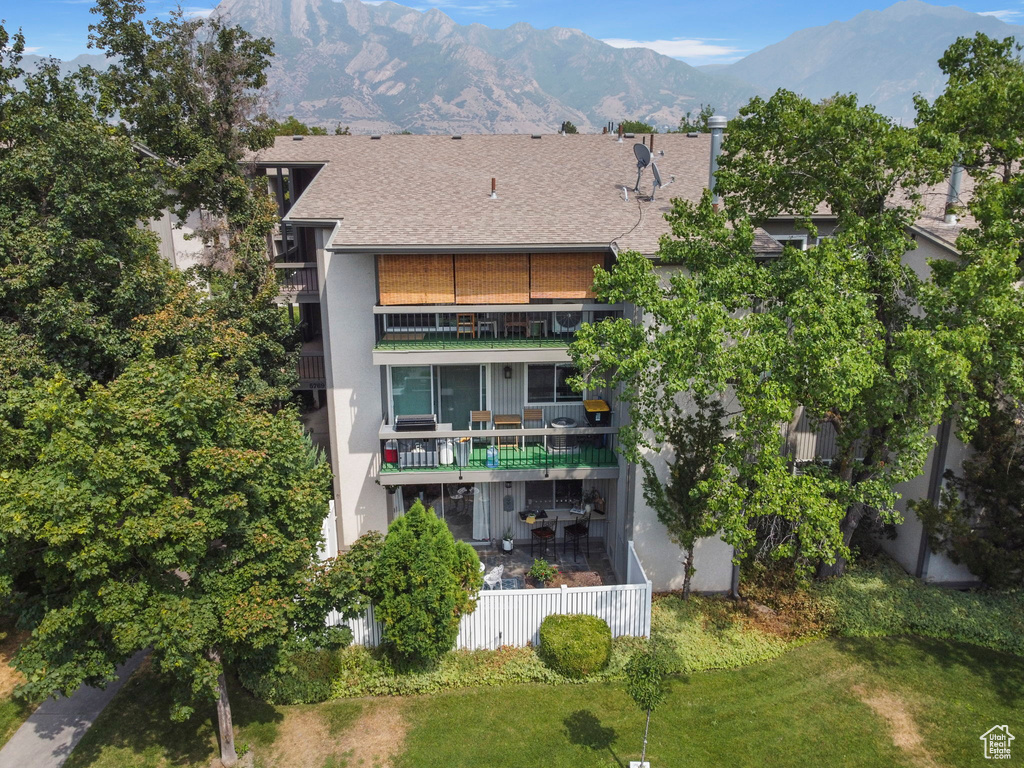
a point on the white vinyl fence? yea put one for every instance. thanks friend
(329, 530)
(513, 616)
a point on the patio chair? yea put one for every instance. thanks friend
(483, 418)
(534, 416)
(544, 531)
(465, 323)
(576, 531)
(492, 579)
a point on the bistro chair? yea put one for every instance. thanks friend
(576, 531)
(544, 531)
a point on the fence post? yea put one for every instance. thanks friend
(563, 598)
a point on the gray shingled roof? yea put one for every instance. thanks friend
(423, 191)
(558, 191)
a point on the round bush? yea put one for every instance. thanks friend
(575, 646)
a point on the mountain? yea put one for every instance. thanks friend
(883, 56)
(386, 67)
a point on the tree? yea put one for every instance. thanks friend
(568, 127)
(836, 329)
(636, 126)
(192, 90)
(979, 520)
(160, 512)
(75, 268)
(699, 123)
(292, 126)
(423, 583)
(681, 503)
(645, 684)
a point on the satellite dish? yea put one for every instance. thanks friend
(643, 155)
(657, 175)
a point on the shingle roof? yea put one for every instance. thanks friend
(422, 191)
(559, 191)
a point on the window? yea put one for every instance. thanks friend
(549, 384)
(553, 494)
(797, 241)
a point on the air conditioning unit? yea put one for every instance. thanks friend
(566, 322)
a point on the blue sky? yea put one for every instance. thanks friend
(699, 32)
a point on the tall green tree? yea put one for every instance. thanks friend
(681, 501)
(423, 583)
(836, 328)
(194, 92)
(75, 268)
(160, 511)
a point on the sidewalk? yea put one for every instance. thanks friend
(46, 739)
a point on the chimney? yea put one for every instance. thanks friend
(494, 188)
(717, 125)
(620, 132)
(953, 196)
(652, 143)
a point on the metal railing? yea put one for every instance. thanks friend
(312, 372)
(449, 328)
(293, 278)
(499, 449)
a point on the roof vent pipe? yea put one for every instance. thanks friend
(717, 125)
(953, 197)
(652, 142)
(494, 188)
(620, 133)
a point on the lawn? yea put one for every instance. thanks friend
(837, 702)
(12, 712)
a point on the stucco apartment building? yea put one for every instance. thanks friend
(439, 281)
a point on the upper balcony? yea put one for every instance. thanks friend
(532, 332)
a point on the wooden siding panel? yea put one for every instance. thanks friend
(563, 275)
(416, 279)
(492, 279)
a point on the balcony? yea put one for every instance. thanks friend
(483, 327)
(297, 282)
(478, 454)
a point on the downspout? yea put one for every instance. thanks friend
(717, 124)
(924, 551)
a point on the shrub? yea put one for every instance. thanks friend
(542, 571)
(302, 676)
(575, 646)
(422, 584)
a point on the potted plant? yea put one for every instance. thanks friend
(506, 539)
(542, 572)
(593, 501)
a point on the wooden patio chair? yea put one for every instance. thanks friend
(517, 322)
(534, 416)
(465, 323)
(483, 418)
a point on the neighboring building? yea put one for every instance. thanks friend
(440, 279)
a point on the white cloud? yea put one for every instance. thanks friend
(32, 49)
(487, 6)
(1004, 15)
(191, 11)
(680, 48)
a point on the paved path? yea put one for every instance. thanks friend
(46, 739)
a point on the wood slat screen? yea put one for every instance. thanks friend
(563, 275)
(416, 279)
(492, 279)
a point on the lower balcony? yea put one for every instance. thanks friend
(531, 452)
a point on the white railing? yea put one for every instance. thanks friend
(513, 616)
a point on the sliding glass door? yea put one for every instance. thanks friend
(448, 391)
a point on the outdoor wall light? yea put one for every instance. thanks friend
(508, 483)
(508, 371)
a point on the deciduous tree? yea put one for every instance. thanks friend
(160, 512)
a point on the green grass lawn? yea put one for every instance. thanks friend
(839, 702)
